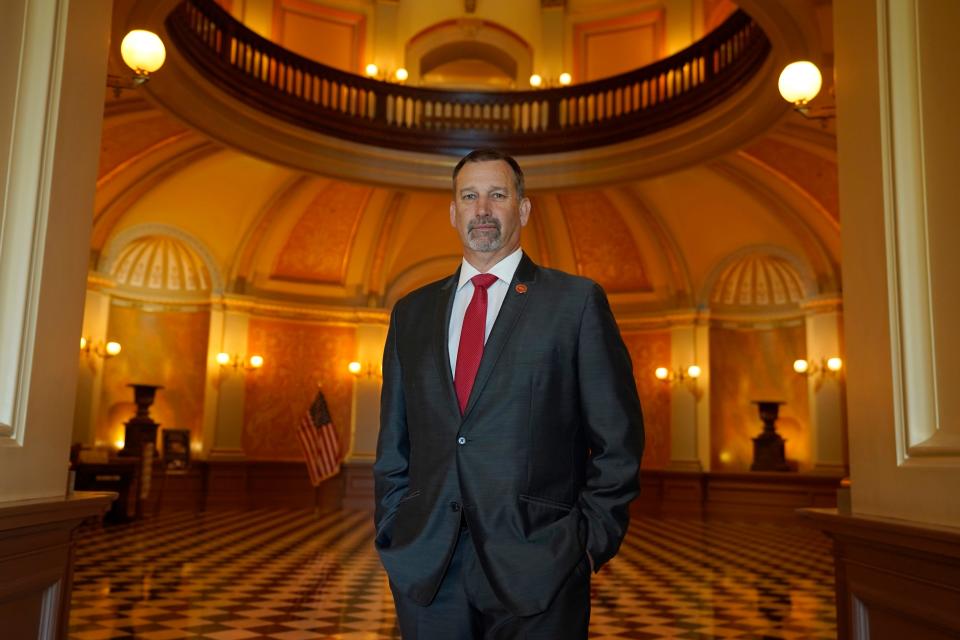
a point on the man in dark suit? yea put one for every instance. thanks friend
(510, 433)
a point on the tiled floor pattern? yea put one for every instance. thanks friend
(291, 575)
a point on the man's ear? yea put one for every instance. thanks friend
(525, 207)
(453, 214)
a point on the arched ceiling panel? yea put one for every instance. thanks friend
(604, 248)
(811, 172)
(422, 231)
(318, 247)
(126, 138)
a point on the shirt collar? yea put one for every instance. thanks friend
(504, 269)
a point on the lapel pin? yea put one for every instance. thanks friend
(521, 288)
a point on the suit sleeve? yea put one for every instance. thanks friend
(610, 409)
(390, 470)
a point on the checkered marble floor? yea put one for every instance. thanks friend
(291, 575)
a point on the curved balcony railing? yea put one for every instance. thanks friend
(333, 102)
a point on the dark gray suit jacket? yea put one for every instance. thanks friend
(543, 463)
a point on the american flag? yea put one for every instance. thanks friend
(319, 442)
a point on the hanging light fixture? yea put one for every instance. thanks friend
(799, 83)
(144, 53)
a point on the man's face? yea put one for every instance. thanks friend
(486, 210)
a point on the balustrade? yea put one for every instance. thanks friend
(333, 102)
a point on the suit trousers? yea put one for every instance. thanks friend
(466, 608)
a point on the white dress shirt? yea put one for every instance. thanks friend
(496, 292)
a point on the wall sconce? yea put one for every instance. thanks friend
(356, 368)
(687, 377)
(826, 367)
(144, 53)
(537, 81)
(800, 83)
(100, 349)
(374, 72)
(235, 362)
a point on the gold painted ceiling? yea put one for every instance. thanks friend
(276, 233)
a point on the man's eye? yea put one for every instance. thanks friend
(499, 196)
(469, 196)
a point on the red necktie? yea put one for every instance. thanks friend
(471, 338)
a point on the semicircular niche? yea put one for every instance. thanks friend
(158, 263)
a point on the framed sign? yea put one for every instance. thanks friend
(176, 449)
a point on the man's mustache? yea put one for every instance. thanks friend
(483, 222)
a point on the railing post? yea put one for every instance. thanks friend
(380, 107)
(227, 36)
(553, 113)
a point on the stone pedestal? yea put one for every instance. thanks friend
(141, 430)
(769, 452)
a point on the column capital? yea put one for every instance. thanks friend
(827, 303)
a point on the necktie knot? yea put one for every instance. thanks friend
(483, 280)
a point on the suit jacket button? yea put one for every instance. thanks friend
(454, 506)
(461, 440)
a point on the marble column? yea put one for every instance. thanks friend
(96, 316)
(226, 386)
(365, 422)
(690, 399)
(825, 388)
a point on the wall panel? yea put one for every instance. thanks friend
(168, 348)
(299, 356)
(647, 350)
(756, 364)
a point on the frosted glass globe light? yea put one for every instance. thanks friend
(143, 51)
(536, 80)
(800, 82)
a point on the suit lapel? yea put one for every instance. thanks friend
(510, 312)
(441, 332)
